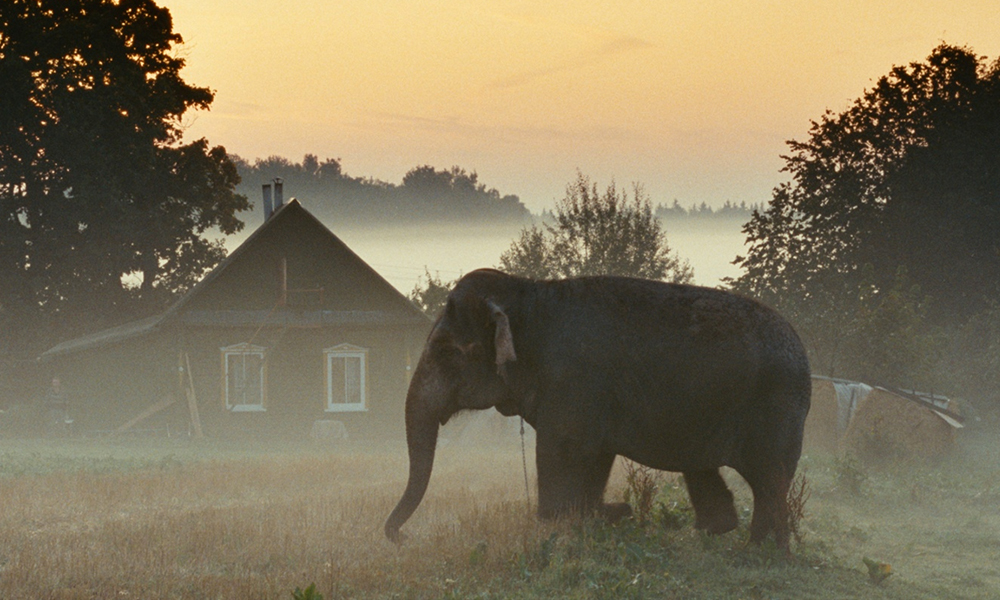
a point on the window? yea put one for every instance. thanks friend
(345, 378)
(243, 377)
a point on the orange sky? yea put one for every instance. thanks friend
(694, 100)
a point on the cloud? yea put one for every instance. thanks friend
(607, 51)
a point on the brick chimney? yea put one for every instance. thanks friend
(268, 207)
(278, 193)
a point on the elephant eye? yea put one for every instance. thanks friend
(448, 349)
(471, 349)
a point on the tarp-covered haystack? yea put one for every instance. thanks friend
(834, 401)
(874, 423)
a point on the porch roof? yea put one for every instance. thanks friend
(297, 318)
(111, 335)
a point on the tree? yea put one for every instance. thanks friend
(432, 297)
(530, 255)
(456, 193)
(891, 341)
(597, 234)
(426, 194)
(906, 180)
(103, 209)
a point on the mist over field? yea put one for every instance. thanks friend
(447, 222)
(159, 518)
(402, 252)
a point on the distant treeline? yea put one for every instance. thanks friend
(729, 210)
(425, 194)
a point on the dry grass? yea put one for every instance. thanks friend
(244, 528)
(97, 520)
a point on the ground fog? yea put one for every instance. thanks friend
(403, 254)
(227, 520)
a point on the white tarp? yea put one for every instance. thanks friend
(849, 396)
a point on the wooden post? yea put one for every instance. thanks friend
(192, 400)
(283, 282)
(180, 371)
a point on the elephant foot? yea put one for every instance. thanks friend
(714, 510)
(609, 512)
(721, 521)
(615, 512)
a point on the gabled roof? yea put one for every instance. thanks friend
(407, 312)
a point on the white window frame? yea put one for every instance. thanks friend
(244, 349)
(343, 352)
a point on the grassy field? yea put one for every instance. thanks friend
(163, 519)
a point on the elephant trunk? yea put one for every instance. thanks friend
(422, 423)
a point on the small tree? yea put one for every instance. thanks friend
(529, 255)
(597, 234)
(431, 297)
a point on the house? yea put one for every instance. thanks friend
(290, 332)
(877, 423)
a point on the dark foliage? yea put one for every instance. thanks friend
(884, 239)
(103, 208)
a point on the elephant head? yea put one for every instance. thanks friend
(463, 366)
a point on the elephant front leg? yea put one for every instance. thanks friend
(714, 510)
(571, 480)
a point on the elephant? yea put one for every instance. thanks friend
(672, 376)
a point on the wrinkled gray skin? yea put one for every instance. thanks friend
(675, 377)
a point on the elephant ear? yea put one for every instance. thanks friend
(503, 339)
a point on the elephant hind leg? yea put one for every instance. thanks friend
(712, 501)
(770, 506)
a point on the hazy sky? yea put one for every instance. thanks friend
(693, 99)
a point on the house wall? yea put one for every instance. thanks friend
(107, 388)
(296, 380)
